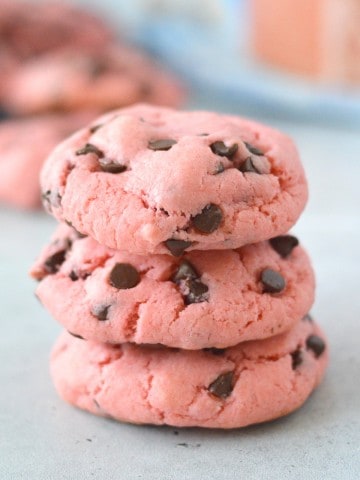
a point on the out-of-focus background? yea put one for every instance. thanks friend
(294, 64)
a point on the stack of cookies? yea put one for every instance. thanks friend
(60, 67)
(184, 298)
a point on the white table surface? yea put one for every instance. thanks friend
(42, 438)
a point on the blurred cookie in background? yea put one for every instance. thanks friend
(72, 80)
(24, 145)
(318, 39)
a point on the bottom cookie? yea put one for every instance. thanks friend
(250, 383)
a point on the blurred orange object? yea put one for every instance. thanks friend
(319, 39)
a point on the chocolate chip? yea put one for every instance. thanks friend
(51, 198)
(124, 276)
(177, 247)
(203, 134)
(315, 344)
(185, 271)
(97, 67)
(219, 148)
(101, 312)
(4, 115)
(308, 318)
(76, 335)
(297, 358)
(215, 351)
(209, 219)
(284, 244)
(90, 148)
(248, 166)
(95, 128)
(162, 144)
(198, 292)
(223, 385)
(219, 168)
(254, 150)
(54, 262)
(73, 276)
(273, 282)
(111, 167)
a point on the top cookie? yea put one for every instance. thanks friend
(154, 180)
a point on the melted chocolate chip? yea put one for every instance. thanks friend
(163, 144)
(284, 244)
(215, 351)
(296, 358)
(76, 335)
(111, 167)
(273, 282)
(308, 318)
(219, 148)
(185, 271)
(177, 247)
(222, 386)
(90, 148)
(124, 276)
(54, 262)
(248, 166)
(198, 292)
(209, 219)
(97, 67)
(315, 344)
(254, 150)
(101, 312)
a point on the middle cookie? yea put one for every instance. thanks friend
(201, 300)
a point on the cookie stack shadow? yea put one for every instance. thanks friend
(185, 299)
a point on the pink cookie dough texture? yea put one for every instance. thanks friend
(184, 180)
(223, 304)
(24, 145)
(29, 29)
(250, 383)
(72, 80)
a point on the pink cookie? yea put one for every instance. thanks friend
(250, 383)
(24, 145)
(205, 299)
(154, 180)
(73, 80)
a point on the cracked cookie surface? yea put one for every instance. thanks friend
(202, 299)
(154, 180)
(250, 383)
